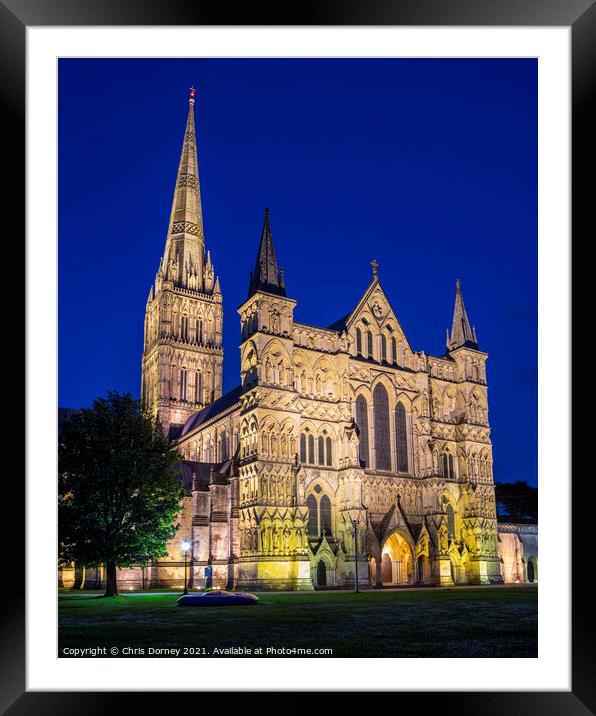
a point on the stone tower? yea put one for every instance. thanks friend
(273, 513)
(183, 356)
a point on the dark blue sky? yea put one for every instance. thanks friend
(429, 166)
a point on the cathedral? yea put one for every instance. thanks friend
(343, 454)
(344, 457)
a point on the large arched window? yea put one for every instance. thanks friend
(401, 438)
(382, 444)
(358, 342)
(325, 509)
(369, 344)
(362, 422)
(313, 516)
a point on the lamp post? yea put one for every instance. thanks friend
(185, 549)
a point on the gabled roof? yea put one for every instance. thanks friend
(218, 406)
(375, 285)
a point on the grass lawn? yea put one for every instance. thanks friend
(467, 622)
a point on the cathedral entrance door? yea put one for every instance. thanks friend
(398, 558)
(531, 571)
(321, 574)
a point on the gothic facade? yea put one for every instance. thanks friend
(342, 454)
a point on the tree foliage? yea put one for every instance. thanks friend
(119, 495)
(516, 502)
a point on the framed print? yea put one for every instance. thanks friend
(245, 237)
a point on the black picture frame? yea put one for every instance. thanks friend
(580, 15)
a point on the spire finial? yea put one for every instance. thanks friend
(191, 95)
(375, 267)
(457, 283)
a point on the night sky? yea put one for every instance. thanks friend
(429, 166)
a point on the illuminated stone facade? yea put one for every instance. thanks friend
(334, 436)
(518, 549)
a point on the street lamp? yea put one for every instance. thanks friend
(185, 549)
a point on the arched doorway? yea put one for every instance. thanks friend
(531, 571)
(398, 560)
(321, 574)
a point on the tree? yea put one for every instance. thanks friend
(516, 502)
(118, 495)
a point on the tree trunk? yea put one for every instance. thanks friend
(111, 583)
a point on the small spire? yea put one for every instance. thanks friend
(461, 332)
(266, 276)
(375, 267)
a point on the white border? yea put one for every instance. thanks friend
(551, 670)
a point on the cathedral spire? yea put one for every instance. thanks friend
(266, 276)
(461, 333)
(185, 244)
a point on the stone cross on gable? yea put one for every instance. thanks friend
(375, 267)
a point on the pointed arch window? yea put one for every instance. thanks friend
(329, 451)
(362, 423)
(383, 348)
(183, 378)
(394, 350)
(381, 413)
(325, 510)
(321, 446)
(198, 388)
(358, 342)
(184, 328)
(198, 330)
(369, 344)
(401, 438)
(302, 447)
(451, 521)
(311, 449)
(447, 465)
(313, 516)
